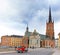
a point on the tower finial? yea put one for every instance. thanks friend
(27, 28)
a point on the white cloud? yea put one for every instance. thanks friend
(6, 11)
(42, 13)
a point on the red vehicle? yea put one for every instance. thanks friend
(21, 49)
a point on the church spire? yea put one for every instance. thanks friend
(50, 18)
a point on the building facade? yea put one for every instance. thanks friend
(12, 41)
(42, 41)
(50, 31)
(34, 40)
(59, 41)
(56, 42)
(50, 27)
(25, 41)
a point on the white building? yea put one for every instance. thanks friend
(34, 40)
(56, 43)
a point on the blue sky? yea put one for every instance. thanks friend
(15, 14)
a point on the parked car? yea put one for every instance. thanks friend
(21, 49)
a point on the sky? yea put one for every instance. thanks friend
(16, 14)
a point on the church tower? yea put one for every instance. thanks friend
(27, 31)
(50, 26)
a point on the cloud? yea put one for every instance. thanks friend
(38, 21)
(56, 15)
(15, 14)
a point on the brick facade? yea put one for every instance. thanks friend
(50, 31)
(11, 41)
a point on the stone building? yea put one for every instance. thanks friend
(34, 40)
(50, 27)
(50, 31)
(12, 41)
(25, 41)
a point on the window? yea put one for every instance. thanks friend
(37, 41)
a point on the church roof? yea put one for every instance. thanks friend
(16, 36)
(42, 37)
(13, 36)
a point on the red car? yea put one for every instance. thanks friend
(21, 49)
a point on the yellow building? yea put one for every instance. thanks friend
(59, 41)
(12, 41)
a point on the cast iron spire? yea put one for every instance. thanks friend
(50, 18)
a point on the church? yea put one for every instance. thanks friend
(50, 40)
(39, 40)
